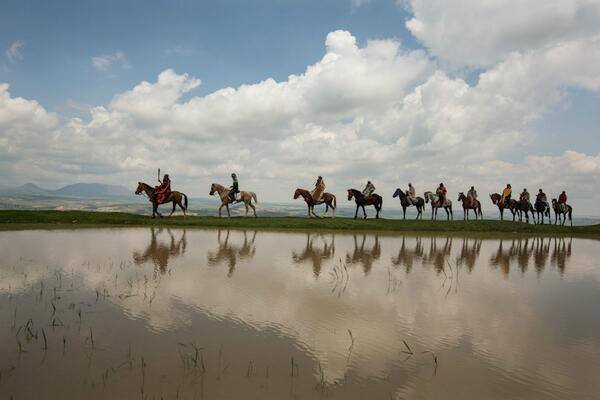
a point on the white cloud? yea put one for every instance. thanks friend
(378, 111)
(14, 53)
(480, 33)
(106, 62)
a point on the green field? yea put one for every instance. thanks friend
(10, 219)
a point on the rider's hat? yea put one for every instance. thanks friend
(233, 174)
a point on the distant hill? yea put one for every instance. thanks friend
(80, 190)
(93, 190)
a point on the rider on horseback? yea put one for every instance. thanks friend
(506, 195)
(441, 193)
(524, 195)
(234, 189)
(562, 201)
(542, 198)
(472, 196)
(411, 193)
(162, 192)
(369, 189)
(319, 189)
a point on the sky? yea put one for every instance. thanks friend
(462, 92)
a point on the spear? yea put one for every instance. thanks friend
(159, 174)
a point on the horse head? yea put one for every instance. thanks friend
(297, 193)
(461, 196)
(428, 196)
(495, 197)
(140, 188)
(350, 194)
(213, 189)
(397, 193)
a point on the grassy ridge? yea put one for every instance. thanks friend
(49, 219)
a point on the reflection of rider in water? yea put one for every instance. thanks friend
(159, 252)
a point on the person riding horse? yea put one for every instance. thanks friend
(319, 189)
(411, 193)
(472, 196)
(562, 201)
(524, 195)
(441, 193)
(234, 189)
(369, 189)
(506, 195)
(542, 198)
(163, 191)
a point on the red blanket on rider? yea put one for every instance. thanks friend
(163, 191)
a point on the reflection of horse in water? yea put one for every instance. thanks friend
(561, 252)
(407, 257)
(364, 256)
(159, 252)
(469, 253)
(538, 249)
(438, 255)
(315, 254)
(226, 252)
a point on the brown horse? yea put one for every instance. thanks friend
(226, 200)
(513, 206)
(328, 199)
(175, 198)
(361, 200)
(559, 212)
(476, 206)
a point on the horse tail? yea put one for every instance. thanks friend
(185, 200)
(254, 197)
(334, 201)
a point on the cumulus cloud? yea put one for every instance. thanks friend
(14, 53)
(105, 62)
(480, 33)
(377, 111)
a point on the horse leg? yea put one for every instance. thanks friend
(154, 206)
(447, 213)
(364, 212)
(228, 213)
(220, 210)
(404, 211)
(253, 209)
(246, 205)
(356, 212)
(501, 214)
(174, 205)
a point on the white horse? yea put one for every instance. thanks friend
(434, 199)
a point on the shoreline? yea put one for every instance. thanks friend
(51, 219)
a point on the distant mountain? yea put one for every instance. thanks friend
(80, 190)
(93, 190)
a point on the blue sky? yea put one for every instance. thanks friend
(225, 43)
(468, 92)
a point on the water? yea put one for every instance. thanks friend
(151, 313)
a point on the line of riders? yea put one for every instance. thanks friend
(162, 194)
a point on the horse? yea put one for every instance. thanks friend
(558, 212)
(433, 198)
(541, 208)
(175, 197)
(226, 200)
(328, 199)
(512, 205)
(361, 200)
(476, 205)
(525, 207)
(405, 203)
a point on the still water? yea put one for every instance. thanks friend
(173, 313)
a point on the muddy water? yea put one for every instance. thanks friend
(150, 313)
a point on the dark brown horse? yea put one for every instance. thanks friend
(542, 208)
(328, 199)
(361, 200)
(526, 207)
(177, 198)
(467, 205)
(512, 205)
(559, 212)
(405, 203)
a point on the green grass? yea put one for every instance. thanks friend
(12, 219)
